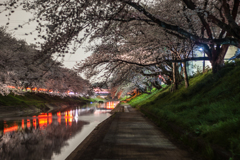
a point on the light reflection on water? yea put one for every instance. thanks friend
(49, 135)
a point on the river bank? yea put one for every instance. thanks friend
(33, 103)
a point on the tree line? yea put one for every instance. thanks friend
(23, 66)
(137, 42)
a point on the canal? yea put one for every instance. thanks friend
(52, 135)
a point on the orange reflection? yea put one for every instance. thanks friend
(59, 120)
(70, 114)
(59, 117)
(110, 105)
(68, 117)
(8, 128)
(28, 123)
(42, 120)
(49, 120)
(42, 115)
(58, 113)
(35, 123)
(66, 121)
(70, 121)
(23, 124)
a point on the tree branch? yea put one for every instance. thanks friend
(230, 41)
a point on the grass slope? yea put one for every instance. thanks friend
(209, 108)
(90, 99)
(38, 99)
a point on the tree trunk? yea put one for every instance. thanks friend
(175, 86)
(217, 65)
(217, 60)
(185, 74)
(156, 83)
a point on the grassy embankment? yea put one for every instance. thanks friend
(38, 100)
(209, 111)
(90, 99)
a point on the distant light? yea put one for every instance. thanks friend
(200, 49)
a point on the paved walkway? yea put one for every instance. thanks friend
(127, 135)
(132, 137)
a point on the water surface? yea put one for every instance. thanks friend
(49, 135)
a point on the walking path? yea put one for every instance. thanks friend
(129, 136)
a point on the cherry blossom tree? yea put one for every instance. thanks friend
(62, 80)
(149, 53)
(123, 71)
(23, 66)
(211, 24)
